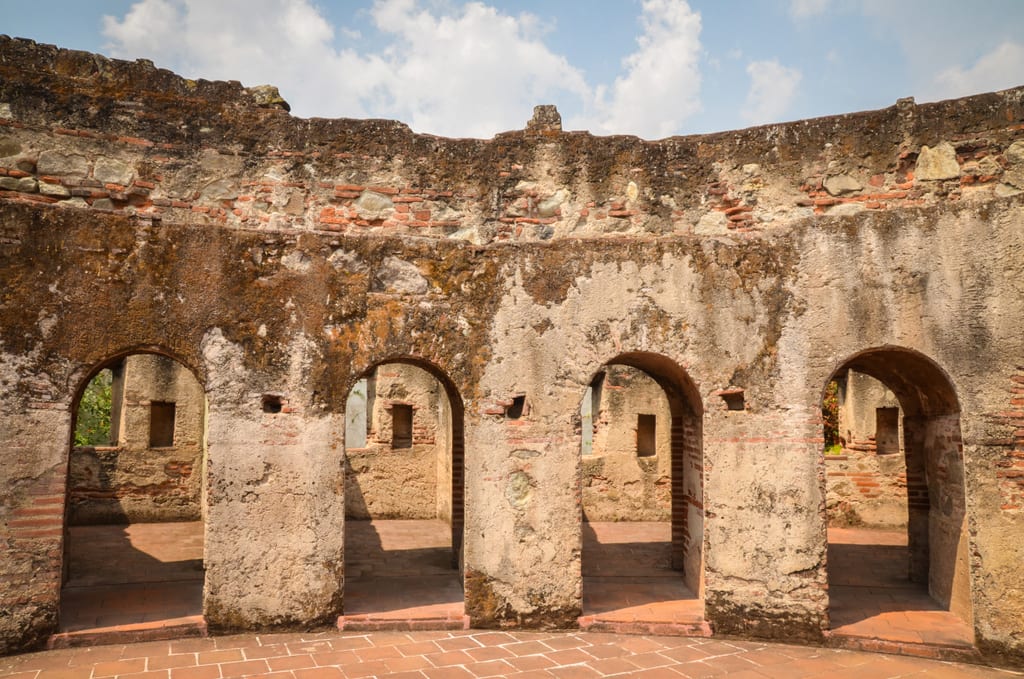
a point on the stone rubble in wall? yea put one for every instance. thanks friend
(212, 187)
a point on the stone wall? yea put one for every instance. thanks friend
(131, 480)
(280, 260)
(867, 479)
(410, 480)
(620, 481)
(861, 426)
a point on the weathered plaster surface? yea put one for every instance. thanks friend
(283, 258)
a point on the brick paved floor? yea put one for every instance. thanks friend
(628, 577)
(131, 578)
(399, 572)
(457, 655)
(135, 575)
(870, 595)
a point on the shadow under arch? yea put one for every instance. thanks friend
(387, 396)
(937, 537)
(686, 465)
(134, 516)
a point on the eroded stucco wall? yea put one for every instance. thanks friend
(618, 483)
(867, 478)
(412, 481)
(279, 260)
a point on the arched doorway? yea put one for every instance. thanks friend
(642, 497)
(404, 513)
(898, 564)
(135, 508)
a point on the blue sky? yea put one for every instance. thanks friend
(648, 67)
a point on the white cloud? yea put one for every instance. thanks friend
(1001, 68)
(802, 9)
(472, 71)
(661, 84)
(442, 67)
(772, 88)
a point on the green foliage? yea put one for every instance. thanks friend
(93, 426)
(836, 449)
(830, 415)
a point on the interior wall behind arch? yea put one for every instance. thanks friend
(620, 481)
(135, 478)
(403, 469)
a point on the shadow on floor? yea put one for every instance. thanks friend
(871, 595)
(401, 569)
(131, 574)
(627, 574)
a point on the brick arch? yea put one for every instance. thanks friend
(936, 493)
(81, 378)
(458, 439)
(687, 457)
(922, 386)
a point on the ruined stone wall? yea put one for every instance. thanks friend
(866, 489)
(620, 484)
(867, 479)
(130, 481)
(404, 482)
(281, 259)
(860, 397)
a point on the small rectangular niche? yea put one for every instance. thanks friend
(401, 425)
(887, 431)
(517, 408)
(161, 424)
(272, 403)
(646, 435)
(734, 399)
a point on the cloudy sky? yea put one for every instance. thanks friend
(653, 68)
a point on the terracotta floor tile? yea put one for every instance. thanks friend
(871, 596)
(201, 672)
(448, 673)
(574, 672)
(116, 667)
(407, 663)
(530, 662)
(527, 654)
(658, 673)
(406, 675)
(527, 648)
(490, 668)
(290, 662)
(457, 643)
(319, 673)
(167, 662)
(80, 672)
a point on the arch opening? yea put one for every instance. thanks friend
(642, 494)
(135, 498)
(404, 514)
(897, 557)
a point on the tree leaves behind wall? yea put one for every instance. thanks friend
(93, 427)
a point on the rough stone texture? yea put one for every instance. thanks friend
(937, 163)
(867, 480)
(412, 481)
(130, 481)
(619, 485)
(719, 265)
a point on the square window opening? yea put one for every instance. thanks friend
(272, 403)
(161, 424)
(646, 435)
(516, 410)
(401, 425)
